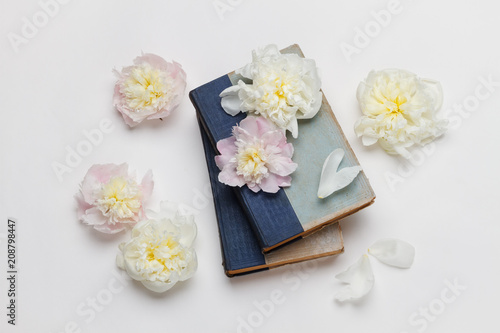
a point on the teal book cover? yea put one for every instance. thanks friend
(295, 211)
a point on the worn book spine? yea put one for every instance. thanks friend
(275, 221)
(241, 252)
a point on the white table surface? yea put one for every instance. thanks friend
(59, 83)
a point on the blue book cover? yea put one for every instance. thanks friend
(241, 252)
(295, 211)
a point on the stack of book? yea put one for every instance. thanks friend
(261, 230)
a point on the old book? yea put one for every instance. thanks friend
(241, 252)
(295, 211)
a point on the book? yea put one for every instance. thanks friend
(295, 211)
(241, 252)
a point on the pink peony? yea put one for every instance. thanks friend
(110, 199)
(150, 89)
(257, 155)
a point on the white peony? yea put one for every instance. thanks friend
(160, 252)
(284, 88)
(399, 110)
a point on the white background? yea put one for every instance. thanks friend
(60, 83)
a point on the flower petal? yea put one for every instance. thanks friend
(187, 229)
(229, 177)
(270, 184)
(147, 185)
(331, 180)
(250, 126)
(230, 101)
(368, 140)
(82, 205)
(158, 286)
(191, 268)
(360, 278)
(109, 228)
(93, 216)
(293, 127)
(98, 174)
(393, 252)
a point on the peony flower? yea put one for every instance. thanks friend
(257, 155)
(150, 89)
(110, 199)
(284, 88)
(160, 252)
(399, 110)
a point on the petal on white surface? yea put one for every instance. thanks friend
(393, 252)
(359, 276)
(331, 180)
(130, 268)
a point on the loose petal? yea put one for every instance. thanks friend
(230, 101)
(331, 180)
(393, 252)
(360, 279)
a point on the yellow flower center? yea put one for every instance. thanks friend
(396, 105)
(251, 164)
(119, 199)
(146, 87)
(161, 256)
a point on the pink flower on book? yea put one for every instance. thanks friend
(110, 199)
(150, 89)
(257, 155)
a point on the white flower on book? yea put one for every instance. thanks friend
(160, 252)
(284, 88)
(333, 180)
(399, 110)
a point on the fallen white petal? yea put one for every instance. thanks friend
(331, 180)
(359, 276)
(393, 252)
